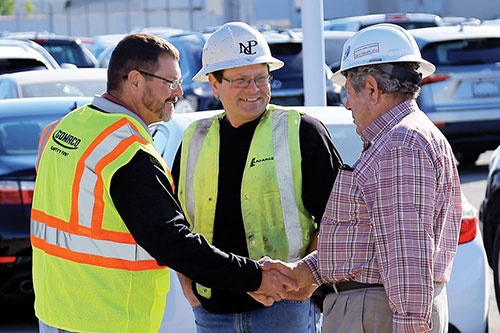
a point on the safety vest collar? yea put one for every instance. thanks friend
(110, 107)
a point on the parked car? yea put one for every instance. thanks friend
(287, 86)
(468, 288)
(102, 42)
(405, 20)
(60, 82)
(489, 214)
(21, 55)
(64, 49)
(463, 96)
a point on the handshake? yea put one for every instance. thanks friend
(281, 280)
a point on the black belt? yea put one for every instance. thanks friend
(350, 285)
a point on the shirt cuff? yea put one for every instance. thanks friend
(311, 261)
(402, 323)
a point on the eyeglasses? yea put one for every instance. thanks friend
(245, 82)
(173, 84)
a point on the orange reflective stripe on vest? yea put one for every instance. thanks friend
(82, 239)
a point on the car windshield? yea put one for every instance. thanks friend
(20, 135)
(463, 52)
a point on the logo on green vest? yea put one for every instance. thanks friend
(255, 161)
(66, 140)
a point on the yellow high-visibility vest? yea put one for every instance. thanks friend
(275, 219)
(89, 274)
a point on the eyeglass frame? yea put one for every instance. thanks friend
(269, 79)
(172, 84)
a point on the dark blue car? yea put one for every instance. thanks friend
(21, 124)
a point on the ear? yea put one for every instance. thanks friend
(134, 80)
(372, 86)
(215, 85)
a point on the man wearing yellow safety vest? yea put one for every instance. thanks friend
(254, 180)
(104, 221)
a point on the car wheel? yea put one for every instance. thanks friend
(467, 158)
(496, 266)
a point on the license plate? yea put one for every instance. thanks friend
(485, 89)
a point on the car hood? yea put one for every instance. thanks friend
(17, 164)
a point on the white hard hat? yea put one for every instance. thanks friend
(379, 44)
(235, 44)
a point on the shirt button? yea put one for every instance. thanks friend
(247, 197)
(209, 199)
(254, 242)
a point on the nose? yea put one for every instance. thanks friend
(347, 104)
(252, 85)
(178, 91)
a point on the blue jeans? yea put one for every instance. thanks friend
(44, 328)
(284, 316)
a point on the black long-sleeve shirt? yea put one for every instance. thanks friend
(143, 197)
(320, 163)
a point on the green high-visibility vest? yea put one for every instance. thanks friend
(89, 274)
(275, 219)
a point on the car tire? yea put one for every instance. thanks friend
(467, 158)
(496, 266)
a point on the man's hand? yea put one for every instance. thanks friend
(187, 289)
(274, 287)
(299, 271)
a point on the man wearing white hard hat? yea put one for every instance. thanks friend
(390, 230)
(254, 180)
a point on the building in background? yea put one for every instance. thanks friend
(96, 17)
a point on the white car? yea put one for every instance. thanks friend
(468, 289)
(24, 55)
(60, 83)
(405, 20)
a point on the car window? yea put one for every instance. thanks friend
(7, 89)
(463, 52)
(65, 53)
(20, 136)
(52, 89)
(18, 65)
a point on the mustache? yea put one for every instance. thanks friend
(171, 99)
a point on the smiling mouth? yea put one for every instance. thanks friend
(250, 99)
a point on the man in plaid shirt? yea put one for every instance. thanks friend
(390, 230)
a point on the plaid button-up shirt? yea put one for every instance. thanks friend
(395, 217)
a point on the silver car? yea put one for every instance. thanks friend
(463, 96)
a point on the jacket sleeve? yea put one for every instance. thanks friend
(142, 196)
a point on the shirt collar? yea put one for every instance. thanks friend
(106, 103)
(387, 121)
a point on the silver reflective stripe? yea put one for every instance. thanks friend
(82, 244)
(86, 197)
(43, 140)
(197, 140)
(286, 186)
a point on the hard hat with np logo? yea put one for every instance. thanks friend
(380, 44)
(235, 44)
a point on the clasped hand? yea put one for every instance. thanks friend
(282, 280)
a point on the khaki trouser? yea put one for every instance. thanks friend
(367, 310)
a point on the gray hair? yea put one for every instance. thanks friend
(405, 89)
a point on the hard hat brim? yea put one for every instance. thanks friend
(426, 68)
(274, 64)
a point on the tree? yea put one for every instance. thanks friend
(7, 7)
(29, 8)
